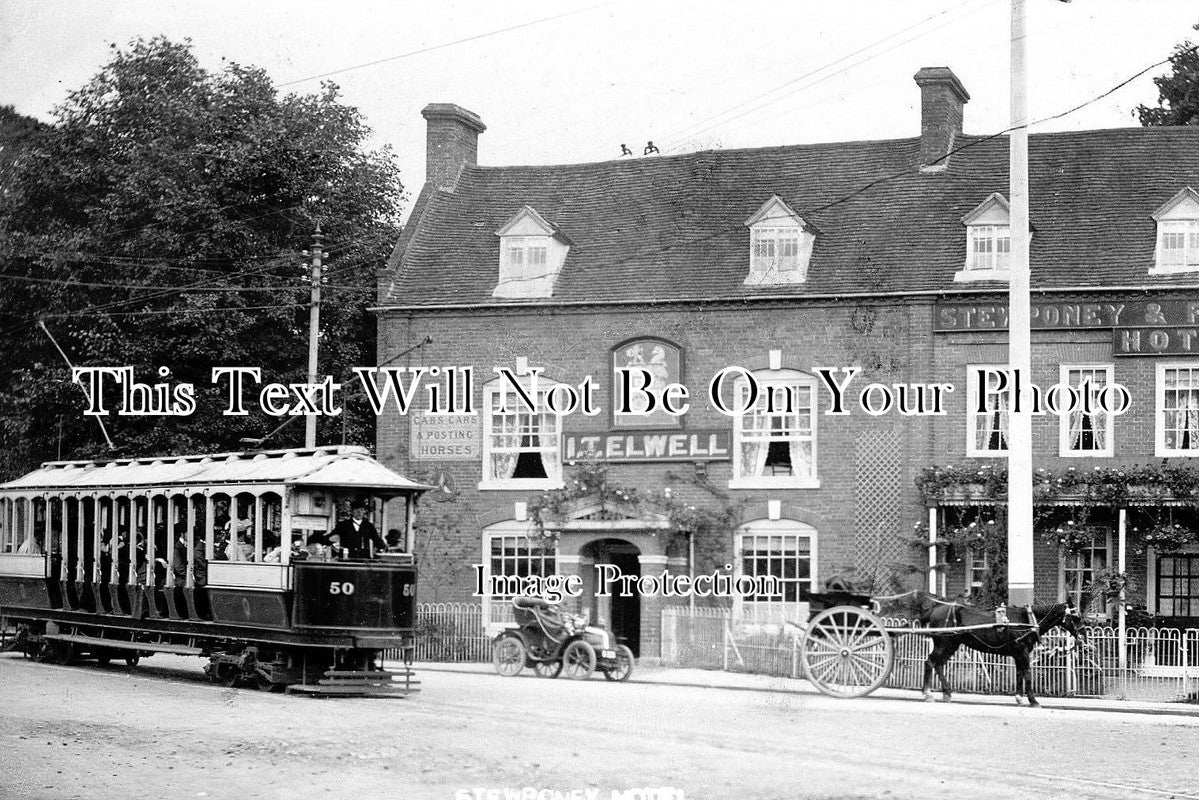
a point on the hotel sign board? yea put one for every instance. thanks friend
(1070, 315)
(1165, 341)
(629, 446)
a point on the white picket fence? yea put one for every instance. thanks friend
(450, 632)
(1159, 664)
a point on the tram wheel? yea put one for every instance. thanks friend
(133, 660)
(228, 675)
(265, 684)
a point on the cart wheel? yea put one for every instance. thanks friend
(846, 652)
(624, 665)
(508, 656)
(579, 660)
(547, 669)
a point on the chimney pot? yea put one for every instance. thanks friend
(942, 101)
(451, 142)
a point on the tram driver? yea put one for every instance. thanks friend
(357, 534)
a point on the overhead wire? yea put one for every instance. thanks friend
(912, 168)
(441, 46)
(690, 134)
(686, 131)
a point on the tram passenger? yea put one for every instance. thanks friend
(121, 554)
(317, 545)
(106, 550)
(357, 533)
(272, 546)
(199, 561)
(160, 552)
(244, 550)
(35, 545)
(395, 540)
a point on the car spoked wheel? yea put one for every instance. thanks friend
(548, 669)
(508, 656)
(578, 660)
(624, 665)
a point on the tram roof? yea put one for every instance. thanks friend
(329, 467)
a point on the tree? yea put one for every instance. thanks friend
(159, 222)
(1178, 92)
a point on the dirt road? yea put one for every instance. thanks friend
(162, 732)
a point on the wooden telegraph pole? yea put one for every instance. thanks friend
(1019, 512)
(315, 278)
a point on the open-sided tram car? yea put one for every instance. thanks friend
(125, 558)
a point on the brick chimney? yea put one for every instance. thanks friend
(451, 142)
(942, 98)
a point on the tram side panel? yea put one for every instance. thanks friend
(23, 582)
(367, 597)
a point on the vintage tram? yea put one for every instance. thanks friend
(225, 556)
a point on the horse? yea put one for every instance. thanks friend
(1016, 640)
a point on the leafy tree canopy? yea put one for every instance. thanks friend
(1178, 92)
(160, 222)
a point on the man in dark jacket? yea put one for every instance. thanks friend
(357, 533)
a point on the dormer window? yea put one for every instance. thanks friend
(988, 242)
(780, 245)
(532, 252)
(1178, 234)
(775, 248)
(990, 247)
(526, 255)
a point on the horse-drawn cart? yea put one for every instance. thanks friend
(847, 650)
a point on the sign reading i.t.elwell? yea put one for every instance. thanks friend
(706, 445)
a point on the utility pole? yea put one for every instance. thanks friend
(1019, 506)
(315, 278)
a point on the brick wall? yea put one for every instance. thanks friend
(889, 343)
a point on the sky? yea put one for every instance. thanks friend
(570, 81)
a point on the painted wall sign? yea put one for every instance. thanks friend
(1067, 315)
(455, 437)
(1155, 341)
(707, 445)
(664, 362)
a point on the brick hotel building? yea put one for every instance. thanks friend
(888, 256)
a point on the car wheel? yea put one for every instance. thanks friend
(508, 656)
(578, 660)
(548, 669)
(624, 665)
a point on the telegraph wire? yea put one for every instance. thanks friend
(912, 168)
(441, 46)
(686, 132)
(690, 134)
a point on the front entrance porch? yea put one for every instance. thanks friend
(600, 544)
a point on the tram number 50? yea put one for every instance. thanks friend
(343, 587)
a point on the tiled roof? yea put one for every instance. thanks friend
(672, 228)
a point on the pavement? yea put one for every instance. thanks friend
(747, 682)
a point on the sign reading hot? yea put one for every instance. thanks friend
(652, 364)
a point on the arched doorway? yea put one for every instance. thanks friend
(620, 609)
